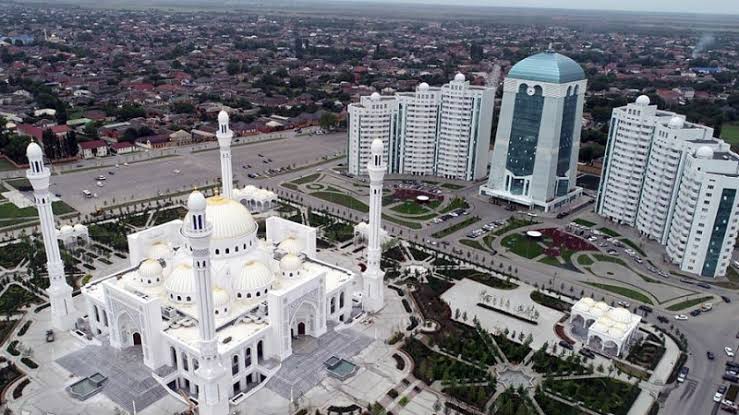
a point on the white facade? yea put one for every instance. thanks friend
(442, 131)
(534, 160)
(373, 293)
(374, 118)
(703, 228)
(606, 329)
(650, 180)
(214, 308)
(63, 313)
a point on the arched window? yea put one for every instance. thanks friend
(218, 251)
(235, 364)
(341, 300)
(238, 295)
(188, 298)
(179, 298)
(227, 251)
(173, 356)
(183, 358)
(248, 295)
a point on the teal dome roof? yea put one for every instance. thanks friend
(549, 67)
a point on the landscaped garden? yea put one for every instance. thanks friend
(689, 303)
(545, 363)
(604, 395)
(646, 354)
(549, 301)
(522, 245)
(431, 366)
(342, 199)
(515, 352)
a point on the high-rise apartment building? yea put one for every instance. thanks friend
(674, 182)
(433, 131)
(534, 160)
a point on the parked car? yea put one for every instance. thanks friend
(726, 299)
(49, 336)
(624, 304)
(646, 308)
(101, 177)
(729, 351)
(710, 355)
(681, 317)
(718, 396)
(587, 353)
(704, 285)
(663, 319)
(565, 344)
(683, 374)
(695, 313)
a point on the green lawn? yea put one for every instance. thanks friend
(584, 222)
(689, 303)
(452, 186)
(584, 260)
(609, 232)
(5, 165)
(730, 132)
(342, 199)
(406, 223)
(608, 258)
(454, 228)
(307, 179)
(456, 203)
(410, 208)
(523, 246)
(10, 211)
(624, 291)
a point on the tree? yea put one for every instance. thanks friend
(71, 148)
(51, 144)
(328, 120)
(91, 131)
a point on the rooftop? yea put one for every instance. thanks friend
(547, 67)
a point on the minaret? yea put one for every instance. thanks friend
(373, 294)
(224, 136)
(212, 376)
(60, 293)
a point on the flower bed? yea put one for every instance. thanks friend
(563, 239)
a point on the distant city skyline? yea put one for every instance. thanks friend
(708, 6)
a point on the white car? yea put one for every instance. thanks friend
(718, 396)
(681, 317)
(729, 351)
(624, 304)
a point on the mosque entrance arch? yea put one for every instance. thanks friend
(136, 338)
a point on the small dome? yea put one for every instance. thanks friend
(196, 201)
(619, 315)
(33, 151)
(676, 122)
(160, 250)
(80, 227)
(181, 281)
(587, 300)
(459, 77)
(291, 245)
(601, 306)
(220, 297)
(423, 86)
(643, 100)
(375, 96)
(605, 322)
(290, 263)
(615, 332)
(704, 152)
(150, 269)
(230, 219)
(377, 146)
(254, 276)
(223, 117)
(66, 229)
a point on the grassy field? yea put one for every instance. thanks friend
(522, 245)
(730, 133)
(689, 303)
(343, 200)
(410, 208)
(584, 222)
(10, 211)
(624, 291)
(5, 165)
(307, 179)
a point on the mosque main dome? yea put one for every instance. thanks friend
(229, 218)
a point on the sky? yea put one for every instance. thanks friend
(677, 6)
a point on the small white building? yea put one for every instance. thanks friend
(604, 328)
(255, 199)
(91, 149)
(72, 236)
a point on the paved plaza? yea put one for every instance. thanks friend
(305, 369)
(129, 381)
(465, 295)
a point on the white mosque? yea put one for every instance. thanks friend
(214, 308)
